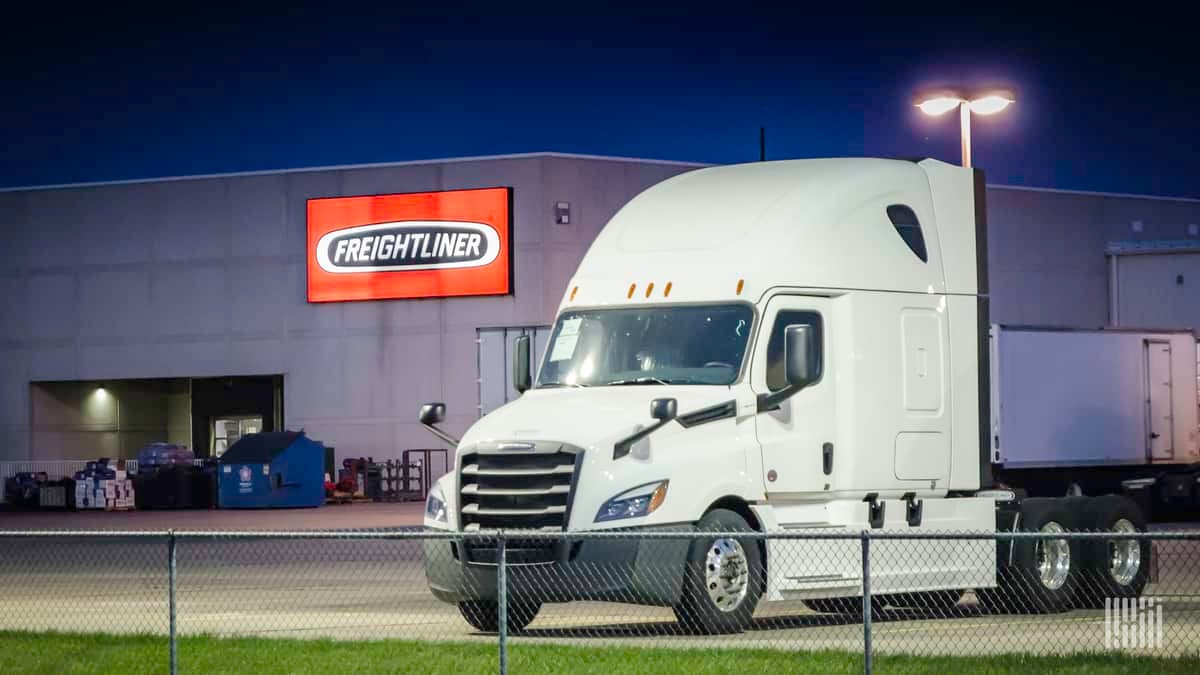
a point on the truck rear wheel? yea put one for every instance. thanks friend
(484, 615)
(1043, 574)
(1113, 568)
(723, 579)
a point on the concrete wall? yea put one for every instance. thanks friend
(206, 277)
(81, 420)
(179, 413)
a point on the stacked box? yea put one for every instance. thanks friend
(103, 486)
(89, 494)
(118, 495)
(80, 494)
(98, 493)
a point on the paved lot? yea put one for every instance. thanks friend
(331, 517)
(375, 589)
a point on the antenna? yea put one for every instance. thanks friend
(762, 144)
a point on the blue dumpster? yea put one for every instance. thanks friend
(280, 469)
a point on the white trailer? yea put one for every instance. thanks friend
(1092, 411)
(798, 345)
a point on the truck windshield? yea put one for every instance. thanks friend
(695, 344)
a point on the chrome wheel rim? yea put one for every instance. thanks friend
(1053, 558)
(1124, 555)
(726, 574)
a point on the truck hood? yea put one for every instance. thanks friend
(587, 417)
(593, 419)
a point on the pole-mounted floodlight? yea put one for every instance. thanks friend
(940, 102)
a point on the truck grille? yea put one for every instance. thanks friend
(517, 486)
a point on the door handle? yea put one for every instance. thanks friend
(1154, 434)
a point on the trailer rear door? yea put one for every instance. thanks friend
(1160, 444)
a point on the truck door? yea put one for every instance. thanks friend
(797, 437)
(1158, 400)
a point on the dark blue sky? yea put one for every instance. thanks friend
(1106, 102)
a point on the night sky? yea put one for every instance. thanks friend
(1106, 102)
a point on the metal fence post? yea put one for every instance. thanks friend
(502, 600)
(171, 600)
(866, 605)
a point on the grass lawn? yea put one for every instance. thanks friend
(93, 653)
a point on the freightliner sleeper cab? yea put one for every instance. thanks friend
(791, 346)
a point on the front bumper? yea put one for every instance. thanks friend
(645, 570)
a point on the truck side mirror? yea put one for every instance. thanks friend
(663, 409)
(432, 413)
(800, 367)
(522, 379)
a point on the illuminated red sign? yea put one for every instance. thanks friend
(417, 245)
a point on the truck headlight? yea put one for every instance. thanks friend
(435, 505)
(640, 501)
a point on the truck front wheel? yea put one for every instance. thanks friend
(484, 615)
(723, 579)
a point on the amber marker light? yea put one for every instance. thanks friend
(659, 496)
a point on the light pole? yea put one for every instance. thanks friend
(981, 103)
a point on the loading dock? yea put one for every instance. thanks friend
(80, 420)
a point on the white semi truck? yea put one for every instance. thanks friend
(799, 346)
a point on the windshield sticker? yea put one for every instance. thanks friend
(564, 346)
(570, 326)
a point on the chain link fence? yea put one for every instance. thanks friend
(869, 593)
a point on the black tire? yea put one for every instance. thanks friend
(697, 609)
(484, 615)
(1020, 587)
(1104, 514)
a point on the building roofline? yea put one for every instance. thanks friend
(1152, 246)
(351, 167)
(1092, 193)
(518, 155)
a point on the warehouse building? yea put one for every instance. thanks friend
(194, 310)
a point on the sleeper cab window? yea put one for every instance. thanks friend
(909, 229)
(776, 373)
